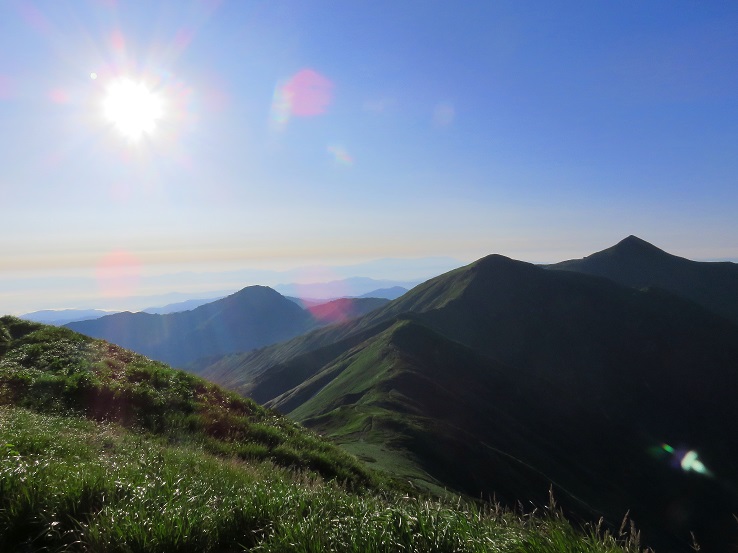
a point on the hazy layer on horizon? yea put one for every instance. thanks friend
(126, 288)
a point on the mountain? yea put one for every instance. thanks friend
(505, 378)
(102, 449)
(343, 309)
(251, 318)
(391, 293)
(186, 305)
(305, 303)
(636, 263)
(348, 287)
(64, 316)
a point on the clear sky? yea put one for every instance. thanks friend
(140, 139)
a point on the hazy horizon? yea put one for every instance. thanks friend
(83, 291)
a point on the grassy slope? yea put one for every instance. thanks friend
(395, 401)
(104, 450)
(54, 370)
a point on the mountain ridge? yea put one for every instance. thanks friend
(636, 263)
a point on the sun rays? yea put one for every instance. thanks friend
(133, 109)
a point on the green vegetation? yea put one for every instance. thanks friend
(71, 484)
(102, 450)
(54, 370)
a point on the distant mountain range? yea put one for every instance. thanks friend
(251, 318)
(179, 306)
(354, 285)
(348, 287)
(64, 316)
(507, 378)
(391, 293)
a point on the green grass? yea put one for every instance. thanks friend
(102, 450)
(72, 484)
(54, 370)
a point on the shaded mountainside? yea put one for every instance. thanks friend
(253, 317)
(343, 309)
(636, 263)
(502, 377)
(250, 318)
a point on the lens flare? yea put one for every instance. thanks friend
(59, 96)
(690, 462)
(340, 155)
(118, 274)
(7, 87)
(444, 114)
(684, 459)
(117, 41)
(306, 94)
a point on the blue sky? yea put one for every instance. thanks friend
(331, 133)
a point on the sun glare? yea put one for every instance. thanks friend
(132, 108)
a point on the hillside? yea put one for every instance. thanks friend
(251, 318)
(57, 371)
(636, 263)
(343, 309)
(102, 449)
(507, 370)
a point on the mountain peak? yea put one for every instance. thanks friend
(498, 261)
(253, 295)
(257, 290)
(633, 239)
(635, 263)
(633, 243)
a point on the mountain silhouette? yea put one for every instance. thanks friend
(636, 263)
(506, 378)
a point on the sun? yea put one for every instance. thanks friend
(132, 108)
